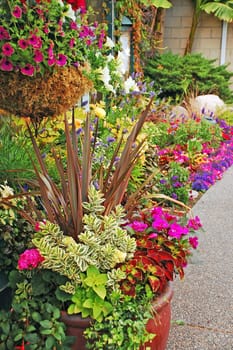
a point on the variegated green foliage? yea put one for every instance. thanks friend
(103, 244)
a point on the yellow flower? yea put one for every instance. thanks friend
(100, 112)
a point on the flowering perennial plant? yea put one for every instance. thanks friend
(164, 243)
(41, 35)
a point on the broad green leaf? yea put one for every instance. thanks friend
(46, 324)
(50, 343)
(100, 291)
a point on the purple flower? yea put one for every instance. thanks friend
(7, 49)
(6, 65)
(17, 12)
(110, 139)
(28, 70)
(163, 181)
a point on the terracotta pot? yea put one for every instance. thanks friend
(75, 326)
(159, 325)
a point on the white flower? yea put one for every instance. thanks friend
(130, 85)
(122, 59)
(106, 78)
(70, 13)
(6, 191)
(109, 43)
(110, 57)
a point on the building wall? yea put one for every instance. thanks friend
(177, 23)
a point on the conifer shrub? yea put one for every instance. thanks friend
(177, 76)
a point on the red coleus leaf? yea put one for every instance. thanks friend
(136, 273)
(144, 243)
(128, 289)
(154, 283)
(160, 256)
(169, 270)
(156, 270)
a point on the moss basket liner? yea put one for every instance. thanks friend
(42, 96)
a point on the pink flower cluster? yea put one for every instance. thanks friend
(30, 259)
(38, 36)
(163, 222)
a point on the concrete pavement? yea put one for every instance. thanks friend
(203, 301)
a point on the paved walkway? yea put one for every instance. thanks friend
(203, 301)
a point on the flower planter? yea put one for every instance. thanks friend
(75, 326)
(42, 96)
(159, 325)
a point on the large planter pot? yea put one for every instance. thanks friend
(42, 96)
(159, 325)
(75, 326)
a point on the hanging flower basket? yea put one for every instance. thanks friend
(42, 96)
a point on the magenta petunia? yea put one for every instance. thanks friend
(51, 61)
(6, 65)
(7, 49)
(4, 35)
(35, 41)
(193, 241)
(156, 211)
(38, 57)
(50, 52)
(28, 70)
(138, 226)
(62, 59)
(194, 223)
(17, 12)
(30, 259)
(177, 231)
(73, 25)
(72, 43)
(160, 224)
(23, 43)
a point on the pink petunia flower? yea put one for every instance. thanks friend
(38, 57)
(71, 43)
(194, 223)
(4, 35)
(193, 241)
(35, 41)
(23, 43)
(28, 70)
(159, 224)
(138, 226)
(62, 59)
(7, 49)
(17, 12)
(177, 231)
(30, 259)
(6, 65)
(51, 61)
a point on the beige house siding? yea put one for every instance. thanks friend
(177, 23)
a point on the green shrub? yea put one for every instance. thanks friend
(176, 76)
